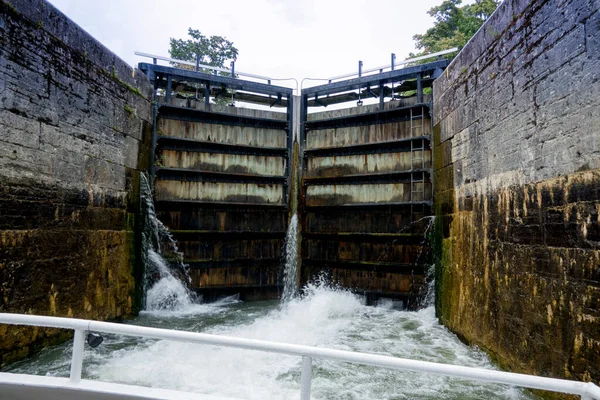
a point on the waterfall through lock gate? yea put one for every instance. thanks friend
(427, 299)
(290, 272)
(164, 287)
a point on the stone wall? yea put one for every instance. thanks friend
(73, 124)
(517, 188)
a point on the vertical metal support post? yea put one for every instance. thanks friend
(154, 143)
(290, 145)
(77, 359)
(423, 155)
(207, 95)
(393, 67)
(154, 61)
(303, 119)
(233, 69)
(420, 88)
(412, 131)
(303, 114)
(169, 89)
(305, 378)
(412, 188)
(360, 65)
(381, 97)
(431, 141)
(197, 62)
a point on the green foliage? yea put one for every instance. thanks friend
(454, 25)
(213, 50)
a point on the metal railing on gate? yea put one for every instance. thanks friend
(587, 391)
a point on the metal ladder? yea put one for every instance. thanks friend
(415, 179)
(417, 154)
(415, 128)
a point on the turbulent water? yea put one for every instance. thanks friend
(168, 292)
(322, 316)
(290, 271)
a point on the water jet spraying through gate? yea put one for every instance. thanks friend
(291, 266)
(290, 272)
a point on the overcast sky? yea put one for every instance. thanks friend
(276, 38)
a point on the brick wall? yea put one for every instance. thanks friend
(517, 178)
(73, 123)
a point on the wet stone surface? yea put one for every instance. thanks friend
(517, 172)
(73, 124)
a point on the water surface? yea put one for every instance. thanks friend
(323, 316)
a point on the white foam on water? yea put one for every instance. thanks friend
(168, 292)
(324, 317)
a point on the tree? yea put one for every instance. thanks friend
(213, 50)
(454, 25)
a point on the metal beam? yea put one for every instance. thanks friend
(191, 175)
(368, 118)
(233, 83)
(405, 86)
(220, 118)
(229, 263)
(372, 266)
(351, 206)
(367, 179)
(224, 236)
(420, 88)
(177, 205)
(375, 80)
(396, 238)
(181, 144)
(388, 146)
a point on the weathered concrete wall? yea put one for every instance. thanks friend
(72, 118)
(517, 178)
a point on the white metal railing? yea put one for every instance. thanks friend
(380, 69)
(587, 391)
(395, 64)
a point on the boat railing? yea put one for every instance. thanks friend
(586, 390)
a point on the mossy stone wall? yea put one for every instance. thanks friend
(74, 134)
(517, 198)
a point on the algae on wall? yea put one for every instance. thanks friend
(76, 135)
(517, 200)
